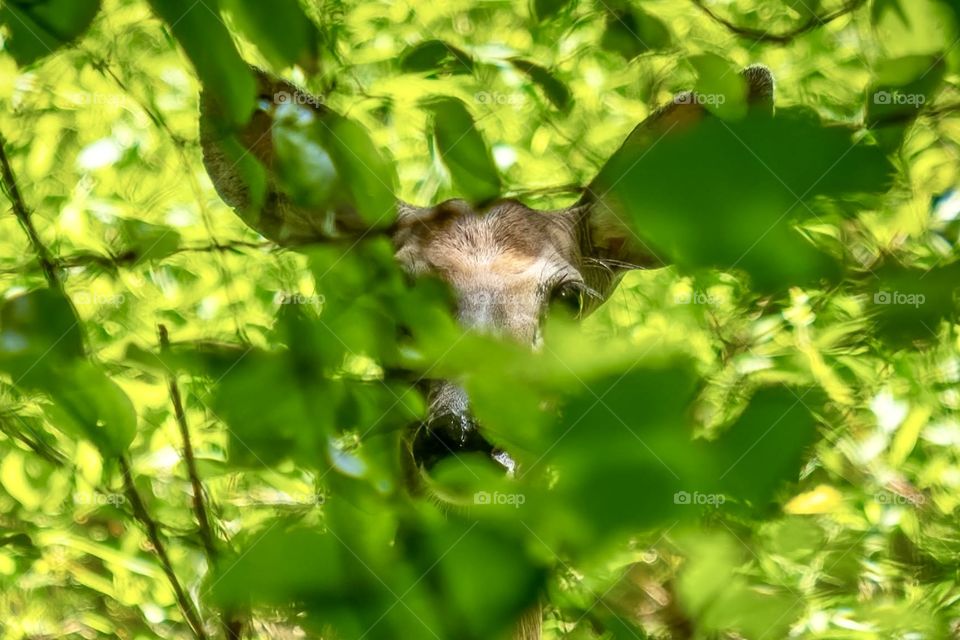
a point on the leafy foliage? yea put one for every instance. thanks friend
(757, 441)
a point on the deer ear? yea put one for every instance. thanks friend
(243, 165)
(607, 240)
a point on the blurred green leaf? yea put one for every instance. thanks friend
(910, 303)
(38, 331)
(630, 31)
(436, 55)
(326, 162)
(748, 194)
(280, 29)
(37, 28)
(197, 26)
(463, 150)
(148, 241)
(720, 87)
(267, 427)
(369, 177)
(555, 91)
(901, 89)
(89, 404)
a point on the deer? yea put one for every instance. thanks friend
(504, 262)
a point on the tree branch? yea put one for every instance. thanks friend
(187, 606)
(199, 508)
(20, 210)
(784, 37)
(232, 626)
(113, 262)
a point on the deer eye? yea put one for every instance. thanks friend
(567, 298)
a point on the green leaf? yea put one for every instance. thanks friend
(546, 9)
(469, 559)
(39, 27)
(279, 28)
(89, 404)
(285, 565)
(148, 241)
(327, 162)
(304, 167)
(631, 31)
(197, 27)
(806, 8)
(720, 87)
(909, 303)
(38, 332)
(901, 89)
(463, 150)
(295, 423)
(555, 90)
(368, 176)
(766, 445)
(436, 55)
(713, 591)
(728, 194)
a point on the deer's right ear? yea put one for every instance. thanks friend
(608, 243)
(244, 166)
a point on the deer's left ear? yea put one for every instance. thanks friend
(609, 245)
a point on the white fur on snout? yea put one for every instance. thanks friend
(447, 398)
(505, 461)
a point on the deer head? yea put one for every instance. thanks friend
(505, 262)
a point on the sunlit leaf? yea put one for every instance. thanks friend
(463, 150)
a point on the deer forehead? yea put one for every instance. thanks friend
(508, 247)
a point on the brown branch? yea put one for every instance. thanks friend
(20, 210)
(129, 258)
(232, 626)
(784, 37)
(187, 606)
(199, 508)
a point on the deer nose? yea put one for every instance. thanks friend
(448, 435)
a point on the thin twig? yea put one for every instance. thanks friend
(20, 210)
(199, 508)
(132, 258)
(232, 625)
(784, 37)
(187, 606)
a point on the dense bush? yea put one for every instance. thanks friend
(200, 431)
